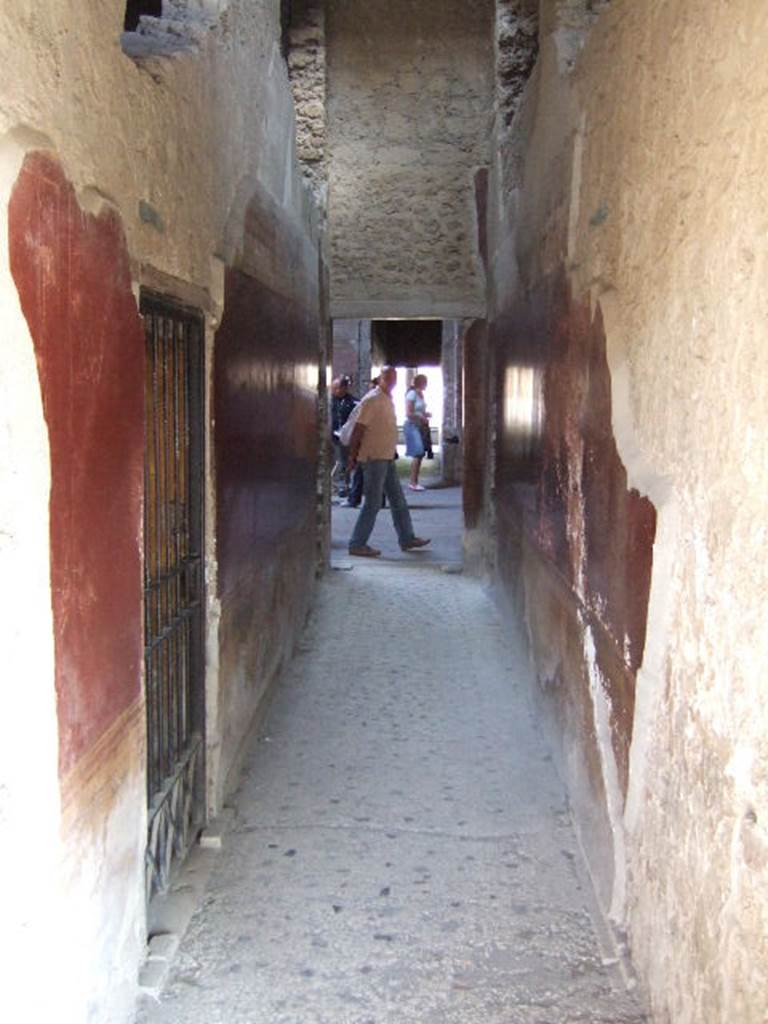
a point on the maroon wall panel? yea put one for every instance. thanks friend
(265, 410)
(476, 422)
(564, 481)
(71, 270)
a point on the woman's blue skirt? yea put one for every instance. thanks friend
(414, 446)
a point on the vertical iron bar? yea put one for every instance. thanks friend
(164, 565)
(180, 456)
(184, 440)
(149, 528)
(157, 501)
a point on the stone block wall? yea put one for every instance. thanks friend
(352, 352)
(410, 91)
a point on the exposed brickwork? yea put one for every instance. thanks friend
(306, 67)
(517, 43)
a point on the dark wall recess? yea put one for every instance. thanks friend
(135, 8)
(407, 342)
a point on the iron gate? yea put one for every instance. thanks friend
(173, 583)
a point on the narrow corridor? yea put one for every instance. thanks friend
(401, 848)
(264, 781)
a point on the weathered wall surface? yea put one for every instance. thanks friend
(265, 409)
(149, 174)
(306, 64)
(517, 47)
(583, 546)
(630, 297)
(410, 88)
(67, 262)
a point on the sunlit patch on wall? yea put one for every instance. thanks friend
(523, 409)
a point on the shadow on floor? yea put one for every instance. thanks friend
(436, 514)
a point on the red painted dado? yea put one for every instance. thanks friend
(563, 498)
(71, 270)
(581, 513)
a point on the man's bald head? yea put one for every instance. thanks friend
(388, 379)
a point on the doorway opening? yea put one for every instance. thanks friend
(432, 348)
(173, 584)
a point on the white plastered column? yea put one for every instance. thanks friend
(31, 932)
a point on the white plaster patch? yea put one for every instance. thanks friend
(213, 603)
(575, 199)
(103, 899)
(602, 710)
(576, 519)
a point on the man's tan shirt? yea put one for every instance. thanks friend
(377, 415)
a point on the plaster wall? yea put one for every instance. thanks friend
(92, 394)
(265, 408)
(637, 224)
(155, 166)
(410, 90)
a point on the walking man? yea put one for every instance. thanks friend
(373, 445)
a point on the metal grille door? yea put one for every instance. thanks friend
(173, 583)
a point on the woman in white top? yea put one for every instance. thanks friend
(416, 422)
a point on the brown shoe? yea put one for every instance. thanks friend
(417, 542)
(365, 552)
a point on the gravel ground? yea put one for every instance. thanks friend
(401, 849)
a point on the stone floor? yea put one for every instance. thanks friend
(436, 514)
(401, 849)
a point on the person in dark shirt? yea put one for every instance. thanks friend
(342, 404)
